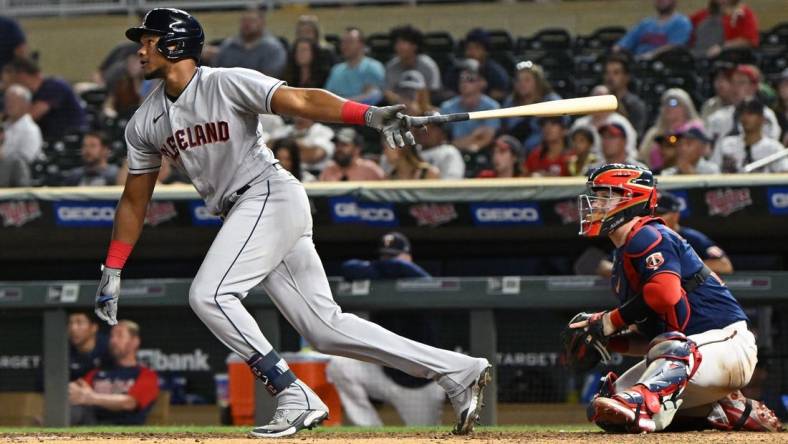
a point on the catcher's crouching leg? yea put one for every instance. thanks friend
(651, 403)
(736, 412)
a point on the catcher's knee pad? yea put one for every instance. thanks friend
(272, 370)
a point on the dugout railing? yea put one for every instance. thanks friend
(481, 298)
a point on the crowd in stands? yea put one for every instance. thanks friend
(703, 93)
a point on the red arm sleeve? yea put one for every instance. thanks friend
(89, 376)
(145, 389)
(662, 292)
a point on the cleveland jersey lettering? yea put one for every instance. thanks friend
(210, 129)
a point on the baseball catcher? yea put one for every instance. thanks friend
(673, 311)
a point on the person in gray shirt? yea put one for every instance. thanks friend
(407, 46)
(96, 169)
(254, 47)
(14, 172)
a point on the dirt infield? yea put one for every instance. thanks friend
(402, 438)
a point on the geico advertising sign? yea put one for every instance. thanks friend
(84, 213)
(201, 216)
(778, 200)
(345, 210)
(518, 213)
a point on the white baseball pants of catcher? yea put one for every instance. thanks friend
(728, 358)
(267, 237)
(357, 382)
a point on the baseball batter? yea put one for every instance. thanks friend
(205, 121)
(673, 310)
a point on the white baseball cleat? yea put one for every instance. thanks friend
(289, 422)
(468, 404)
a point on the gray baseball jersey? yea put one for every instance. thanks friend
(211, 132)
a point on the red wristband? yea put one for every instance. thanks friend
(353, 112)
(118, 252)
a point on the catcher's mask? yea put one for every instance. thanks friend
(616, 194)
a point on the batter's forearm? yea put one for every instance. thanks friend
(129, 218)
(132, 207)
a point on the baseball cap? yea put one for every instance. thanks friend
(614, 129)
(750, 71)
(753, 106)
(694, 130)
(669, 138)
(480, 36)
(510, 142)
(668, 203)
(347, 135)
(393, 243)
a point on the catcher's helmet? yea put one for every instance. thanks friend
(616, 194)
(181, 34)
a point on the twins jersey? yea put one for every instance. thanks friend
(211, 132)
(653, 248)
(139, 382)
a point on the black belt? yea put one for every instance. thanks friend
(696, 280)
(237, 194)
(234, 198)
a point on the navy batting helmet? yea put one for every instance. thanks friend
(181, 34)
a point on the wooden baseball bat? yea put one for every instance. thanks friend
(581, 105)
(760, 163)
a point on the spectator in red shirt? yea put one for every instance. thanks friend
(119, 394)
(724, 24)
(506, 155)
(550, 158)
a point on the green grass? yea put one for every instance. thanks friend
(231, 430)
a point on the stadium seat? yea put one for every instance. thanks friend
(676, 60)
(334, 40)
(738, 56)
(558, 62)
(500, 40)
(381, 47)
(441, 47)
(775, 41)
(600, 41)
(439, 41)
(552, 39)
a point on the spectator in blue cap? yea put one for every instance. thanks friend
(478, 47)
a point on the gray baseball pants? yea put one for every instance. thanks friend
(267, 237)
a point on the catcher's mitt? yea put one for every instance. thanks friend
(584, 347)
